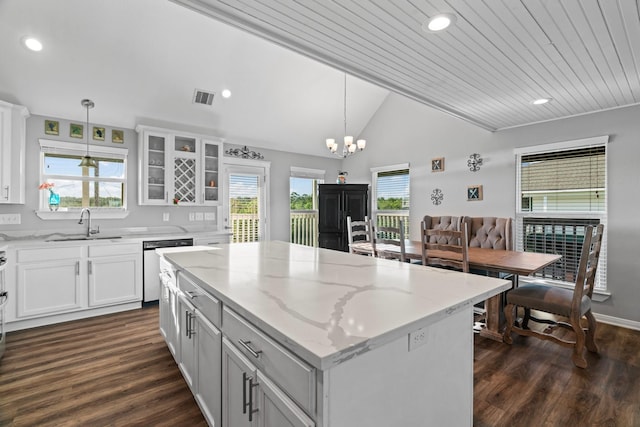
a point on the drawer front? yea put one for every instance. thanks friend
(207, 304)
(291, 374)
(49, 254)
(108, 250)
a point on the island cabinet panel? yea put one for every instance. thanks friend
(335, 203)
(188, 343)
(208, 369)
(237, 390)
(169, 312)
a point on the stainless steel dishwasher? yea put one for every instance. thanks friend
(151, 265)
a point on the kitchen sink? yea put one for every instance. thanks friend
(72, 238)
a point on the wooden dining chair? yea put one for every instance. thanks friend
(445, 248)
(360, 237)
(389, 242)
(571, 304)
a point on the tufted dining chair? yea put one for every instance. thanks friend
(490, 232)
(572, 304)
(448, 223)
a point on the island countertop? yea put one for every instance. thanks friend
(328, 306)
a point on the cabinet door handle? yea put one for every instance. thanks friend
(251, 410)
(192, 294)
(6, 192)
(244, 392)
(77, 268)
(90, 267)
(186, 323)
(192, 329)
(253, 352)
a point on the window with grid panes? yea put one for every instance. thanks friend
(561, 189)
(391, 196)
(103, 187)
(303, 213)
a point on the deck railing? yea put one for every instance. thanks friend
(391, 219)
(245, 228)
(304, 227)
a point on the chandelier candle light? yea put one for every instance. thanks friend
(349, 147)
(87, 161)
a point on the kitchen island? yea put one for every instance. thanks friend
(319, 337)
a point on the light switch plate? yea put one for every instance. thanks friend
(192, 216)
(165, 216)
(209, 216)
(10, 219)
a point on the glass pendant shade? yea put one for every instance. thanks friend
(88, 162)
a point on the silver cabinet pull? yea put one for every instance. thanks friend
(77, 268)
(6, 192)
(244, 392)
(192, 294)
(251, 410)
(253, 352)
(90, 267)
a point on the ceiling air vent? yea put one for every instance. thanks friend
(203, 97)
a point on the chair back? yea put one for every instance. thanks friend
(389, 242)
(490, 232)
(445, 248)
(588, 266)
(360, 236)
(442, 223)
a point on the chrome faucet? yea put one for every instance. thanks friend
(90, 230)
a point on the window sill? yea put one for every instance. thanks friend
(599, 295)
(75, 214)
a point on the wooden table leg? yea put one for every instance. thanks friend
(493, 329)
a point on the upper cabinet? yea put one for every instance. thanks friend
(13, 119)
(178, 168)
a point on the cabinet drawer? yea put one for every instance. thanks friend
(208, 305)
(49, 254)
(291, 374)
(117, 249)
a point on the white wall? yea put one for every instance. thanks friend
(405, 131)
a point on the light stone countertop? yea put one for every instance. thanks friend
(328, 306)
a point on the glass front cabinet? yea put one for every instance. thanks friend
(178, 168)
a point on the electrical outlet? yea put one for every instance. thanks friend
(209, 216)
(192, 216)
(199, 216)
(417, 338)
(165, 216)
(10, 219)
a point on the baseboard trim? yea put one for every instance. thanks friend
(616, 321)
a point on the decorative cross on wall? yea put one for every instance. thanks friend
(437, 196)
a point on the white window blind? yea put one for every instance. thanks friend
(391, 192)
(560, 191)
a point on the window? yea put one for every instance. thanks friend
(102, 188)
(391, 201)
(303, 191)
(561, 189)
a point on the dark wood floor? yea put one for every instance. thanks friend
(115, 370)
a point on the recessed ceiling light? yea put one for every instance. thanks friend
(32, 44)
(439, 22)
(541, 101)
(226, 93)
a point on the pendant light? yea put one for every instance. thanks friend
(87, 161)
(349, 147)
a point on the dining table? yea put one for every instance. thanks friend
(492, 261)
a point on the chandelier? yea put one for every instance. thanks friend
(349, 147)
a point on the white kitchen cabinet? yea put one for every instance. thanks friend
(188, 342)
(12, 152)
(56, 279)
(114, 274)
(178, 166)
(169, 310)
(49, 287)
(208, 371)
(250, 398)
(238, 396)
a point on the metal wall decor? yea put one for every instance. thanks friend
(244, 153)
(437, 196)
(474, 162)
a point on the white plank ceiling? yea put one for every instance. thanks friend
(499, 56)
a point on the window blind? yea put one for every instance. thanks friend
(560, 192)
(391, 192)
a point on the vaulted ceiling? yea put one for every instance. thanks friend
(140, 61)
